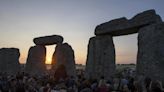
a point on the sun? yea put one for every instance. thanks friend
(48, 60)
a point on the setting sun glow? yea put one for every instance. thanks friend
(48, 60)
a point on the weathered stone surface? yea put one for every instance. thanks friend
(122, 26)
(150, 59)
(48, 40)
(100, 58)
(9, 60)
(35, 64)
(64, 55)
(145, 18)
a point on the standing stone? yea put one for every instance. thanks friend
(100, 58)
(150, 59)
(35, 64)
(9, 60)
(64, 55)
(48, 40)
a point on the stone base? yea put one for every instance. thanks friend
(35, 64)
(150, 59)
(100, 58)
(64, 55)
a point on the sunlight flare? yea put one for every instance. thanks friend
(48, 60)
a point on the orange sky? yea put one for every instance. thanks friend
(124, 53)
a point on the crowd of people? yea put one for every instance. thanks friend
(23, 82)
